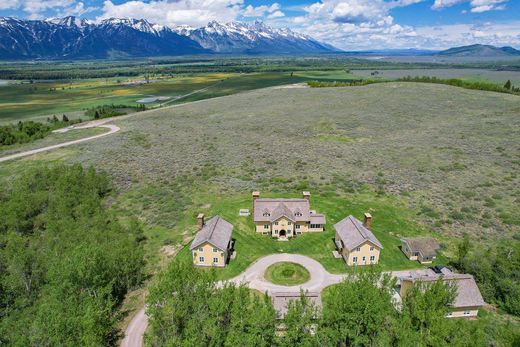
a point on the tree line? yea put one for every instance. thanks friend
(187, 308)
(496, 270)
(66, 262)
(28, 131)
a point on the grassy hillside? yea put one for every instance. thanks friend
(425, 159)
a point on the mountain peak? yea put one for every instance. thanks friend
(29, 39)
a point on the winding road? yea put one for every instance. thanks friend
(96, 124)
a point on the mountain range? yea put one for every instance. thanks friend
(76, 38)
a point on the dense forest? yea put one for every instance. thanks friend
(187, 308)
(65, 260)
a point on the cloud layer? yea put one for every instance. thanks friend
(347, 24)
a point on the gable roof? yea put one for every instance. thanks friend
(216, 231)
(426, 246)
(353, 233)
(468, 294)
(276, 208)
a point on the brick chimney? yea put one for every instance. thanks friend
(307, 196)
(368, 220)
(256, 195)
(200, 220)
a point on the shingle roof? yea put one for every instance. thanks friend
(216, 231)
(468, 294)
(317, 218)
(426, 246)
(353, 233)
(281, 300)
(278, 207)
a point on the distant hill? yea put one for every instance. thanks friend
(480, 51)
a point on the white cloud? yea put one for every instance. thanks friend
(189, 12)
(477, 6)
(261, 11)
(36, 8)
(276, 14)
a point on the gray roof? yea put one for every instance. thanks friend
(216, 231)
(276, 208)
(281, 300)
(353, 233)
(316, 218)
(426, 246)
(468, 294)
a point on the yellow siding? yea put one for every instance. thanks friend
(366, 250)
(283, 224)
(260, 227)
(208, 253)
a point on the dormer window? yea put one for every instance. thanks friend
(266, 214)
(298, 214)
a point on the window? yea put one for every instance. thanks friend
(364, 258)
(297, 226)
(276, 231)
(201, 249)
(201, 259)
(215, 260)
(315, 226)
(466, 313)
(358, 249)
(298, 214)
(266, 214)
(372, 258)
(449, 314)
(275, 223)
(354, 259)
(266, 226)
(371, 248)
(215, 250)
(289, 223)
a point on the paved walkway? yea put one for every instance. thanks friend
(253, 277)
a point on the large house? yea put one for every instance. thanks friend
(356, 243)
(285, 218)
(423, 249)
(468, 300)
(212, 244)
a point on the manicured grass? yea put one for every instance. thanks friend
(391, 220)
(287, 274)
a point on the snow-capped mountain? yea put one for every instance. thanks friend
(72, 37)
(238, 37)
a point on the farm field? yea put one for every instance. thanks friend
(474, 75)
(424, 159)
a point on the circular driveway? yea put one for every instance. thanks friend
(253, 277)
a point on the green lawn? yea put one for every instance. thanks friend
(287, 274)
(391, 219)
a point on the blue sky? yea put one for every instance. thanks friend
(347, 24)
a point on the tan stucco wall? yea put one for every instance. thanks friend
(208, 254)
(364, 251)
(283, 224)
(260, 227)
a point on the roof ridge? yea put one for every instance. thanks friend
(213, 227)
(354, 221)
